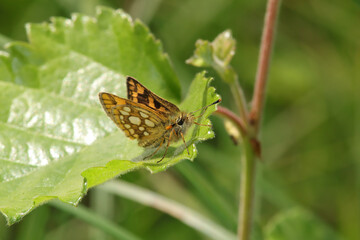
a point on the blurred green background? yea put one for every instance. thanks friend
(311, 129)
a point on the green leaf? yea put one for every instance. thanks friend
(220, 51)
(203, 55)
(297, 223)
(55, 139)
(216, 54)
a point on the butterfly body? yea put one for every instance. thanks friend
(179, 125)
(152, 120)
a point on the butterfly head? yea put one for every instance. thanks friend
(181, 123)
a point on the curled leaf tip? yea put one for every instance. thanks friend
(218, 52)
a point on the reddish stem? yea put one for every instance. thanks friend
(248, 170)
(263, 64)
(222, 111)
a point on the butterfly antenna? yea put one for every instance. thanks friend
(205, 125)
(204, 108)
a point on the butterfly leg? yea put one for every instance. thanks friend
(156, 149)
(167, 146)
(182, 136)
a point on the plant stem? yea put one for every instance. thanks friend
(248, 170)
(263, 64)
(182, 213)
(228, 75)
(240, 100)
(246, 200)
(224, 112)
(97, 221)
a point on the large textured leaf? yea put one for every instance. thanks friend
(55, 139)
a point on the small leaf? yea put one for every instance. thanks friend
(219, 52)
(203, 55)
(224, 47)
(216, 54)
(55, 139)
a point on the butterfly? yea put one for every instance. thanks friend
(152, 120)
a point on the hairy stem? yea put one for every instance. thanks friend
(228, 114)
(228, 75)
(263, 64)
(239, 96)
(247, 182)
(251, 145)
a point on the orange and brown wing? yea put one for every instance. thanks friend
(109, 100)
(136, 120)
(140, 94)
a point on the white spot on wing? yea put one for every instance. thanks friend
(124, 113)
(149, 123)
(127, 109)
(127, 125)
(135, 120)
(141, 128)
(132, 131)
(146, 133)
(144, 115)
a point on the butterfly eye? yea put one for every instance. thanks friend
(181, 121)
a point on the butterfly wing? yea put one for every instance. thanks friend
(136, 120)
(140, 94)
(109, 100)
